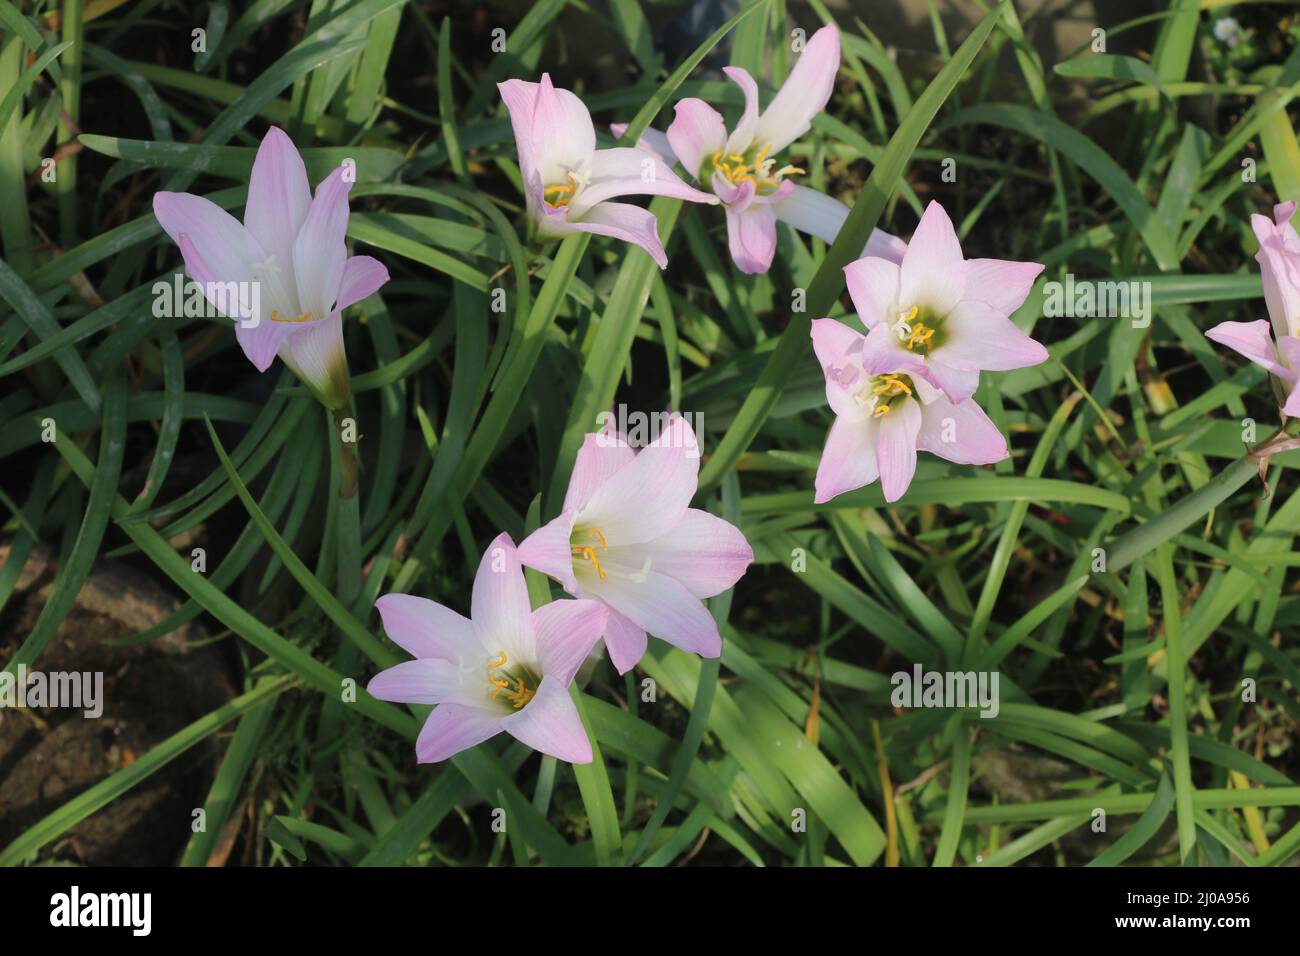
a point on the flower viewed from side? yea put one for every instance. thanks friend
(940, 317)
(287, 265)
(627, 537)
(506, 668)
(741, 167)
(1279, 266)
(568, 182)
(884, 416)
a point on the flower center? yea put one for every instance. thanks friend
(561, 194)
(883, 392)
(753, 167)
(915, 335)
(509, 686)
(582, 551)
(588, 552)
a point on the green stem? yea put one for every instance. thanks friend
(348, 551)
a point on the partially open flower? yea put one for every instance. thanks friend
(507, 669)
(568, 182)
(290, 250)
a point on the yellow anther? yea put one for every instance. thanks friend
(910, 315)
(789, 171)
(881, 411)
(595, 533)
(590, 554)
(892, 385)
(563, 193)
(921, 335)
(492, 665)
(302, 318)
(522, 696)
(762, 153)
(736, 158)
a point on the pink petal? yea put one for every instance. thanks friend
(566, 633)
(314, 351)
(520, 98)
(562, 134)
(648, 496)
(623, 171)
(666, 608)
(849, 459)
(933, 272)
(751, 236)
(278, 196)
(742, 137)
(958, 384)
(499, 605)
(415, 682)
(550, 724)
(883, 245)
(883, 353)
(705, 553)
(896, 448)
(602, 453)
(625, 642)
(627, 222)
(696, 133)
(804, 93)
(961, 433)
(979, 336)
(226, 250)
(548, 550)
(319, 251)
(261, 343)
(1250, 339)
(834, 342)
(362, 276)
(452, 728)
(1001, 283)
(873, 286)
(425, 629)
(651, 139)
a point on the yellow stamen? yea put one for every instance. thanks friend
(891, 386)
(302, 318)
(921, 335)
(590, 555)
(881, 411)
(762, 153)
(595, 533)
(736, 158)
(501, 663)
(910, 315)
(563, 193)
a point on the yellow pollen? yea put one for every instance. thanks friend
(302, 318)
(910, 315)
(589, 552)
(921, 335)
(564, 194)
(892, 385)
(501, 663)
(762, 153)
(881, 411)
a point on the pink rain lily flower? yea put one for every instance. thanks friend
(939, 316)
(741, 167)
(568, 182)
(290, 252)
(508, 668)
(628, 538)
(1279, 265)
(884, 415)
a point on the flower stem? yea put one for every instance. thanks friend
(348, 550)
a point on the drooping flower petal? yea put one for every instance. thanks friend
(817, 214)
(1249, 339)
(424, 628)
(696, 133)
(279, 196)
(804, 94)
(551, 724)
(651, 139)
(622, 171)
(261, 343)
(981, 337)
(627, 222)
(625, 641)
(896, 448)
(751, 237)
(226, 249)
(664, 607)
(848, 461)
